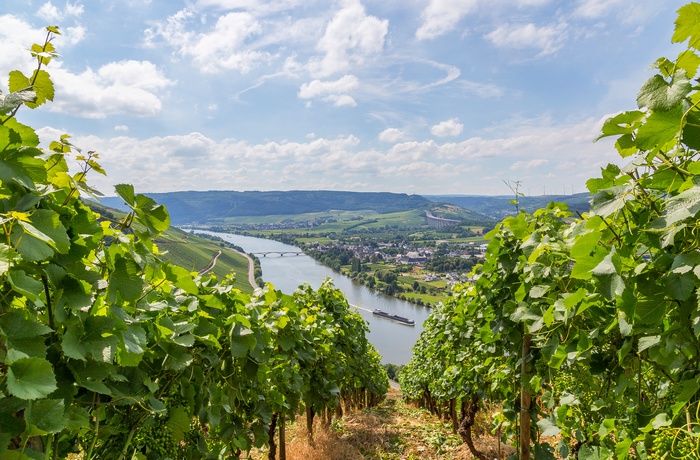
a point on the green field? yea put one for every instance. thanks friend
(341, 221)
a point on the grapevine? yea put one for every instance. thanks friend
(608, 298)
(108, 350)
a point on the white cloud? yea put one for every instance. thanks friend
(528, 164)
(342, 100)
(441, 16)
(318, 88)
(125, 87)
(52, 14)
(72, 35)
(593, 9)
(451, 127)
(258, 6)
(474, 165)
(226, 47)
(392, 135)
(482, 90)
(351, 38)
(334, 92)
(15, 37)
(48, 12)
(548, 39)
(122, 128)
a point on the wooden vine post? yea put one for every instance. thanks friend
(525, 401)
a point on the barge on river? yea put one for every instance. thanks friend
(400, 319)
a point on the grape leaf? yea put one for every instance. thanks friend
(31, 378)
(658, 94)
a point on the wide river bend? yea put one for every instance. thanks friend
(391, 339)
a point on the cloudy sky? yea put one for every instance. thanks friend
(415, 96)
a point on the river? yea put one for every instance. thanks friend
(392, 340)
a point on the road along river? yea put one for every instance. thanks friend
(286, 273)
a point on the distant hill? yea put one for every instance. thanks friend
(498, 207)
(191, 207)
(447, 210)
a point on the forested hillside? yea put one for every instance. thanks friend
(213, 206)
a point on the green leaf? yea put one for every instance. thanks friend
(590, 452)
(660, 128)
(152, 215)
(134, 338)
(660, 420)
(25, 285)
(648, 342)
(691, 130)
(622, 448)
(606, 427)
(587, 255)
(657, 94)
(611, 200)
(7, 258)
(179, 423)
(24, 170)
(46, 415)
(626, 145)
(688, 25)
(623, 123)
(537, 292)
(96, 338)
(46, 226)
(650, 311)
(688, 61)
(182, 278)
(31, 378)
(242, 341)
(18, 81)
(23, 337)
(125, 280)
(43, 86)
(680, 207)
(126, 192)
(13, 100)
(9, 423)
(91, 375)
(548, 426)
(611, 284)
(28, 136)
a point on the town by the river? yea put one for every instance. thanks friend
(393, 340)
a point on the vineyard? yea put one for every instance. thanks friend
(110, 352)
(585, 329)
(580, 333)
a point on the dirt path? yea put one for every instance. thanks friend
(251, 270)
(211, 265)
(392, 431)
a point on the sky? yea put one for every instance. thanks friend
(410, 96)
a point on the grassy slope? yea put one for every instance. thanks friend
(195, 253)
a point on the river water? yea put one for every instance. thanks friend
(391, 339)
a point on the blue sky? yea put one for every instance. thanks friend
(414, 96)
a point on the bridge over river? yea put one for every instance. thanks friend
(280, 253)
